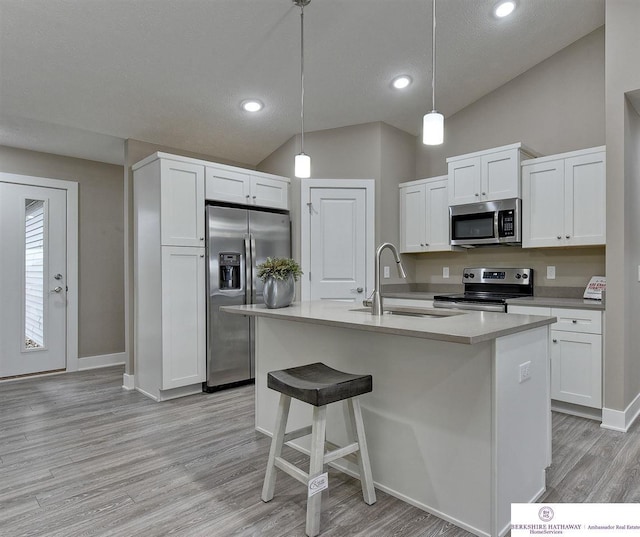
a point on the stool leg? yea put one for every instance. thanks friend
(366, 478)
(316, 464)
(277, 441)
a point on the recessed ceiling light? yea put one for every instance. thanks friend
(401, 82)
(252, 105)
(504, 8)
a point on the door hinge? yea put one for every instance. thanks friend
(309, 276)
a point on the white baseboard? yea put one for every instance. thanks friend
(128, 382)
(102, 360)
(621, 420)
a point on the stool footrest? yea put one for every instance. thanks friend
(341, 452)
(298, 433)
(292, 470)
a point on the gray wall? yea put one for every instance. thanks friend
(370, 151)
(622, 340)
(101, 242)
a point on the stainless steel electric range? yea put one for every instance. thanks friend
(488, 289)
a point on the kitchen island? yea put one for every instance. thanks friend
(458, 422)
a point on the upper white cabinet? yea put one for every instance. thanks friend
(181, 203)
(424, 215)
(563, 199)
(493, 174)
(247, 187)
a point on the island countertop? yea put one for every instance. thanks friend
(455, 326)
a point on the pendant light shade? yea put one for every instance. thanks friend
(302, 165)
(433, 122)
(433, 128)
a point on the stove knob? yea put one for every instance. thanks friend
(525, 276)
(518, 276)
(472, 275)
(466, 274)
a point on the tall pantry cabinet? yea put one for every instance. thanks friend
(169, 277)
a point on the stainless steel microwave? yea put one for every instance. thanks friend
(486, 223)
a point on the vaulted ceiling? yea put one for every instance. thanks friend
(77, 77)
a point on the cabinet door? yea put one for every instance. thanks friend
(181, 204)
(437, 219)
(500, 177)
(464, 181)
(576, 368)
(268, 192)
(183, 316)
(228, 185)
(412, 218)
(543, 204)
(585, 195)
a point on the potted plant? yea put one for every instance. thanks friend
(279, 275)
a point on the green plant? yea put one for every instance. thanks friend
(278, 268)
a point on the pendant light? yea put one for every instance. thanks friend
(302, 168)
(433, 122)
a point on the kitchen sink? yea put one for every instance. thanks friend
(409, 311)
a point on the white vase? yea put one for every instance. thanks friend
(279, 293)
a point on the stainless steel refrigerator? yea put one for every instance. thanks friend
(238, 239)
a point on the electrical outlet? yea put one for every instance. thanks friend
(551, 272)
(445, 272)
(386, 272)
(525, 371)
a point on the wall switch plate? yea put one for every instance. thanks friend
(525, 371)
(386, 272)
(639, 273)
(551, 272)
(445, 272)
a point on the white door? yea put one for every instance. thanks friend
(337, 244)
(33, 272)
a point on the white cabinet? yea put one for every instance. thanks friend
(576, 354)
(183, 319)
(181, 203)
(488, 175)
(424, 215)
(246, 187)
(564, 199)
(169, 276)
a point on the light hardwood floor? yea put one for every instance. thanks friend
(81, 457)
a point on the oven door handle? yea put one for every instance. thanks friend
(472, 306)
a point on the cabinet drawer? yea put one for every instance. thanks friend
(573, 320)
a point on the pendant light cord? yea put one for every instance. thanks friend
(302, 77)
(433, 60)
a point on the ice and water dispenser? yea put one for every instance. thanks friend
(229, 270)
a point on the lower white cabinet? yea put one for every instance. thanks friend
(415, 303)
(183, 317)
(576, 354)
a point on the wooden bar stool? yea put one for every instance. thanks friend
(318, 385)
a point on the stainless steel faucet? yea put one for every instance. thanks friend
(376, 298)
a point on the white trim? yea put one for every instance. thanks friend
(101, 360)
(71, 188)
(621, 420)
(369, 185)
(128, 381)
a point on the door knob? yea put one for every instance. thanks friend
(58, 276)
(57, 289)
(357, 290)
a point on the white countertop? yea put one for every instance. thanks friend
(457, 327)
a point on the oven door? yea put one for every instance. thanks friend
(491, 222)
(471, 306)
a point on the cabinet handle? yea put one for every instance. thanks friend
(477, 195)
(421, 244)
(559, 237)
(555, 340)
(484, 193)
(247, 196)
(201, 255)
(426, 244)
(574, 321)
(201, 238)
(254, 197)
(568, 236)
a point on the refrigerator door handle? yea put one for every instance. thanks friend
(254, 270)
(248, 280)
